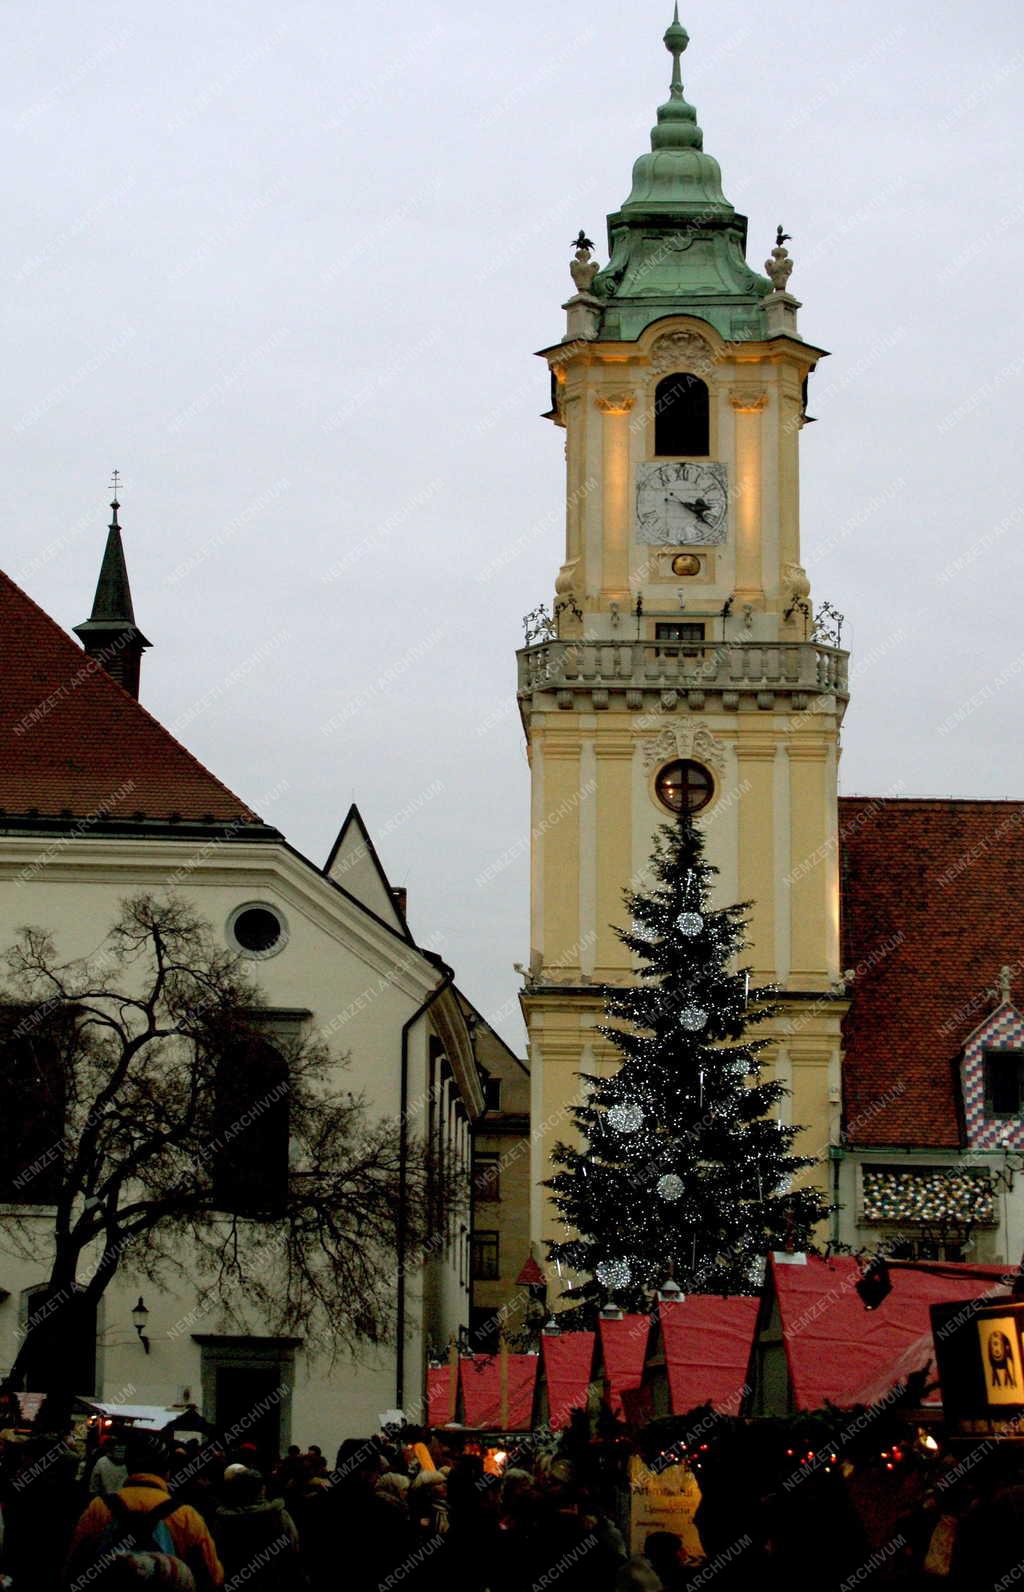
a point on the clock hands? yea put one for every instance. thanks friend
(700, 509)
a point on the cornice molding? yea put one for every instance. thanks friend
(248, 866)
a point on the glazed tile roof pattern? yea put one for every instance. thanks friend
(1004, 1030)
(74, 745)
(931, 893)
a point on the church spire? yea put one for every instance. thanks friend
(110, 634)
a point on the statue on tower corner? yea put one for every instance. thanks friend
(582, 268)
(780, 267)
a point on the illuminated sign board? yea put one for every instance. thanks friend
(979, 1348)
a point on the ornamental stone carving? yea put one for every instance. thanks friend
(615, 403)
(683, 740)
(685, 351)
(779, 267)
(582, 268)
(748, 400)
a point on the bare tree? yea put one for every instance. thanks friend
(175, 1137)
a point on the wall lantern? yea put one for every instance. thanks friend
(140, 1316)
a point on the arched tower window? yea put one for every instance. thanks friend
(681, 416)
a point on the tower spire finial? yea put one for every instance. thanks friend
(115, 483)
(676, 40)
(677, 121)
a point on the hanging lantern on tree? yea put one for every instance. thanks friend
(692, 1018)
(671, 1187)
(689, 923)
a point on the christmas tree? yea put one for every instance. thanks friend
(680, 1163)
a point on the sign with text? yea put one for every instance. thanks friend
(663, 1502)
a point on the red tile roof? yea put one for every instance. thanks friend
(73, 744)
(931, 893)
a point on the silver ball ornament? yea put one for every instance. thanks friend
(614, 1274)
(625, 1118)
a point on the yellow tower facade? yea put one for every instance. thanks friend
(683, 665)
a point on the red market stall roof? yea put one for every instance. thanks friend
(708, 1340)
(917, 1356)
(530, 1274)
(439, 1381)
(481, 1391)
(567, 1361)
(835, 1349)
(623, 1352)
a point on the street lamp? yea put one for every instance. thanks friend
(140, 1315)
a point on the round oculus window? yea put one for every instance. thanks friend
(684, 786)
(258, 930)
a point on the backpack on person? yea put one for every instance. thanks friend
(137, 1545)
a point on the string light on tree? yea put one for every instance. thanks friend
(678, 1157)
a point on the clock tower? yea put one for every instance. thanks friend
(683, 665)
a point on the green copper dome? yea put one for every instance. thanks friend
(677, 246)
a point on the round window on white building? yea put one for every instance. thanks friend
(258, 929)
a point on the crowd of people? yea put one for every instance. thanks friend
(434, 1516)
(389, 1515)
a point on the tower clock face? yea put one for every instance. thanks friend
(680, 504)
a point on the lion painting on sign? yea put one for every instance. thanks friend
(1000, 1359)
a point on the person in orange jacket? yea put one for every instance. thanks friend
(148, 1460)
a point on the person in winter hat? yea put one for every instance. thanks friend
(255, 1535)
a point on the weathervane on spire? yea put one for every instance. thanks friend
(116, 481)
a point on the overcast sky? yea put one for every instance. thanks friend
(285, 267)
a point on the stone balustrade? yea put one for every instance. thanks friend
(687, 671)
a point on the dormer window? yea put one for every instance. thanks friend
(682, 417)
(1004, 1083)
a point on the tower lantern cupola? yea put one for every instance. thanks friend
(676, 239)
(110, 634)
